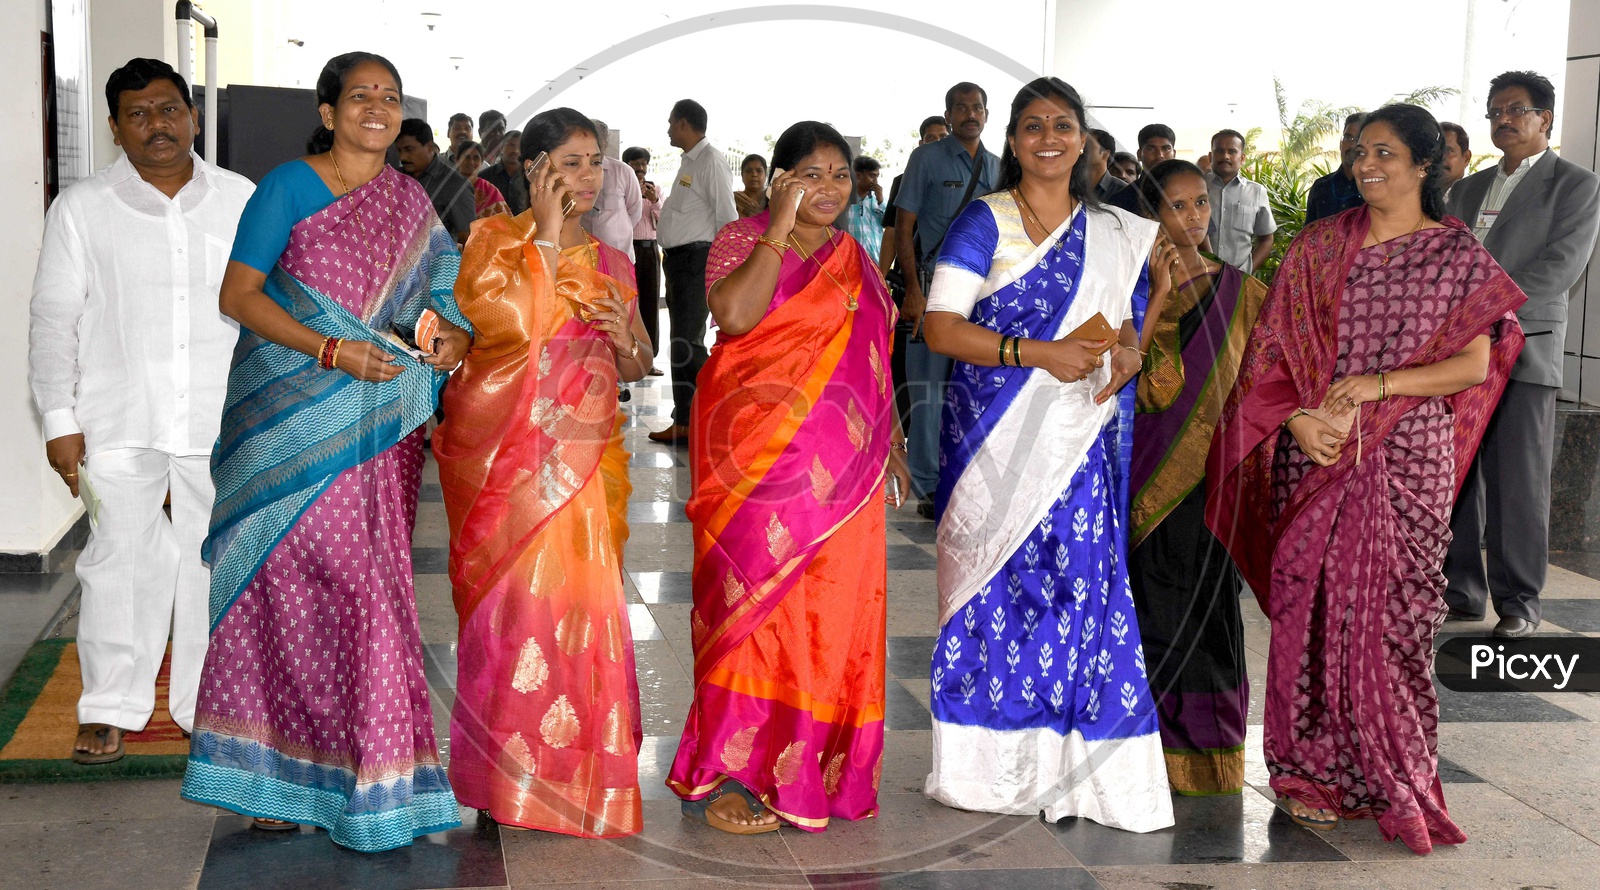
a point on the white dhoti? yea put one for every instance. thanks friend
(142, 576)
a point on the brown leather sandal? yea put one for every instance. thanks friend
(101, 733)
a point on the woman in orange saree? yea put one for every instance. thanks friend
(794, 430)
(545, 729)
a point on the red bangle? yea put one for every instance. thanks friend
(326, 353)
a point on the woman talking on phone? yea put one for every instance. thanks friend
(1039, 695)
(545, 729)
(795, 443)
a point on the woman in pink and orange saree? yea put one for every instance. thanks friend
(794, 438)
(545, 729)
(1391, 321)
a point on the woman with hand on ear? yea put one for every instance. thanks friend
(1391, 320)
(545, 731)
(796, 449)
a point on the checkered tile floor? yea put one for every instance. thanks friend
(1520, 770)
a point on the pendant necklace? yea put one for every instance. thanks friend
(850, 301)
(1387, 256)
(383, 263)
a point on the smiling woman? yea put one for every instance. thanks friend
(1363, 393)
(313, 706)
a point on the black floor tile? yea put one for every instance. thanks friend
(1582, 563)
(431, 493)
(909, 556)
(910, 658)
(1579, 615)
(1499, 707)
(664, 587)
(430, 560)
(656, 511)
(901, 710)
(1452, 773)
(1243, 827)
(919, 531)
(244, 858)
(975, 879)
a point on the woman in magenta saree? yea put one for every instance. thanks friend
(794, 425)
(313, 706)
(1396, 315)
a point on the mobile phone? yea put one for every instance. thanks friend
(894, 490)
(538, 159)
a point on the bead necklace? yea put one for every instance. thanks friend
(383, 263)
(850, 301)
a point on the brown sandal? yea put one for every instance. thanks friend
(102, 735)
(700, 811)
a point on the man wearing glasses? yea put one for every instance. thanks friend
(1537, 215)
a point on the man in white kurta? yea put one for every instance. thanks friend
(128, 359)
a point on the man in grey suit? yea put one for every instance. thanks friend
(1538, 216)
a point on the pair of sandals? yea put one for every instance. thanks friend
(700, 810)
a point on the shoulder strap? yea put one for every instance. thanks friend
(966, 198)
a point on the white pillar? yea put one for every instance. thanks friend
(1580, 136)
(37, 510)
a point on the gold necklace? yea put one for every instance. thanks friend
(383, 264)
(850, 301)
(1387, 256)
(1016, 195)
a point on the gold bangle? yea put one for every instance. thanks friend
(774, 243)
(333, 363)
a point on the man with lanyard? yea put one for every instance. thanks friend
(1537, 214)
(940, 178)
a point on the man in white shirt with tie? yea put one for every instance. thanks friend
(699, 205)
(128, 359)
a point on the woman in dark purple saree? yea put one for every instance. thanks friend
(1185, 587)
(1394, 319)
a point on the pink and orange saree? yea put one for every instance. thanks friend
(545, 729)
(791, 440)
(1347, 560)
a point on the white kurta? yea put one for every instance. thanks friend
(127, 347)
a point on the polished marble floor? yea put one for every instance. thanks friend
(1522, 774)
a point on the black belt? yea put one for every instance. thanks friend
(686, 248)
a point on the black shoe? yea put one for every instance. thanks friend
(925, 509)
(1513, 628)
(1457, 615)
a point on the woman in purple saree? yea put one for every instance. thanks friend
(313, 707)
(1396, 315)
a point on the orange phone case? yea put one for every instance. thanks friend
(1096, 328)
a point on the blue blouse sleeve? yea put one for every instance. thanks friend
(288, 194)
(971, 240)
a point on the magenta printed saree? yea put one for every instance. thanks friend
(791, 440)
(1347, 560)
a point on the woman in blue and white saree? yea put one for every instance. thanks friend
(1040, 696)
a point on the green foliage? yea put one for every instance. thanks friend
(1301, 159)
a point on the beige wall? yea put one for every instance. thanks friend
(1580, 136)
(37, 510)
(120, 30)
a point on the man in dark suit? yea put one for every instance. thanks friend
(1538, 216)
